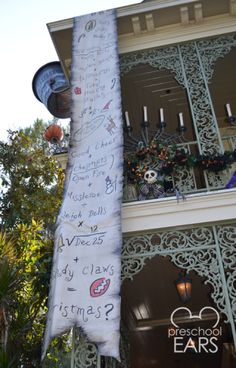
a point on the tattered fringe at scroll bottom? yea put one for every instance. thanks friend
(102, 347)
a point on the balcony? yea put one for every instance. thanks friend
(187, 79)
(182, 62)
(191, 79)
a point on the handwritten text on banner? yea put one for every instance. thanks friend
(85, 281)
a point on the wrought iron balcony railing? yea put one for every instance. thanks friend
(171, 177)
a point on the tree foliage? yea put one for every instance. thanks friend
(31, 191)
(31, 181)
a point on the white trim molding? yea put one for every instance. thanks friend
(165, 213)
(177, 33)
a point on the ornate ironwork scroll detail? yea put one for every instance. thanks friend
(86, 354)
(131, 267)
(162, 58)
(215, 180)
(137, 250)
(200, 100)
(184, 179)
(192, 63)
(170, 58)
(190, 249)
(164, 242)
(214, 49)
(227, 241)
(210, 51)
(204, 263)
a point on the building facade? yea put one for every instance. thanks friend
(178, 56)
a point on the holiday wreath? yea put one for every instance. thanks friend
(149, 167)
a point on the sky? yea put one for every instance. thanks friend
(26, 45)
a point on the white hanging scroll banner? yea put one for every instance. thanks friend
(85, 282)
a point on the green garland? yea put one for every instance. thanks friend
(168, 160)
